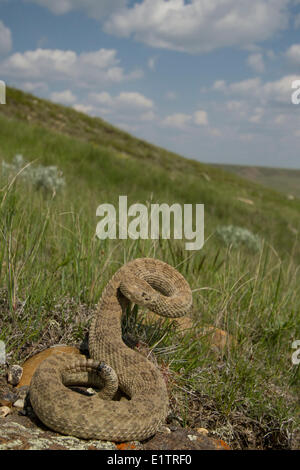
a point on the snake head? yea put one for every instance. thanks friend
(138, 291)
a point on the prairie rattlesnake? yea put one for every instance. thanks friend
(147, 282)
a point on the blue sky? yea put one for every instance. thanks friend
(208, 79)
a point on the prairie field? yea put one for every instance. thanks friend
(53, 267)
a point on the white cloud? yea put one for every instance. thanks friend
(102, 98)
(130, 107)
(200, 118)
(54, 64)
(94, 8)
(33, 87)
(127, 127)
(181, 120)
(64, 97)
(256, 62)
(136, 100)
(103, 58)
(238, 107)
(278, 91)
(293, 53)
(245, 87)
(219, 85)
(125, 100)
(5, 39)
(39, 63)
(178, 120)
(86, 109)
(259, 112)
(200, 25)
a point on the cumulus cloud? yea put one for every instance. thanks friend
(200, 118)
(277, 91)
(245, 87)
(94, 8)
(131, 107)
(86, 109)
(177, 120)
(64, 97)
(33, 87)
(125, 100)
(293, 54)
(237, 107)
(5, 39)
(54, 64)
(258, 111)
(199, 25)
(181, 120)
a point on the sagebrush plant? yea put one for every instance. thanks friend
(237, 236)
(47, 178)
(53, 270)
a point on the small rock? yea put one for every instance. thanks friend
(202, 431)
(19, 403)
(246, 201)
(4, 411)
(219, 340)
(30, 366)
(164, 430)
(7, 398)
(23, 391)
(14, 374)
(183, 439)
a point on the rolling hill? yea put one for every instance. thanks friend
(281, 179)
(245, 280)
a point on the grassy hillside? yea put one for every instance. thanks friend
(53, 268)
(281, 179)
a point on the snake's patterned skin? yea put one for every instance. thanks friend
(147, 282)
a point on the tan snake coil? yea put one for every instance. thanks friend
(147, 282)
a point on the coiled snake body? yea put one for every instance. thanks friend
(146, 282)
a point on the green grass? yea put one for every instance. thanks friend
(53, 268)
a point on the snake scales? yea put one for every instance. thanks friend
(146, 282)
